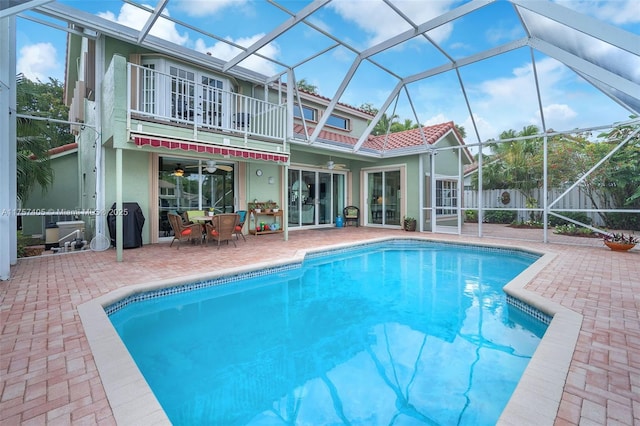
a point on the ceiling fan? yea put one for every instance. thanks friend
(211, 166)
(331, 165)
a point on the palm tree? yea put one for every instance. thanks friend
(519, 166)
(408, 124)
(32, 162)
(383, 125)
(34, 137)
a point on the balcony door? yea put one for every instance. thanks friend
(173, 91)
(212, 103)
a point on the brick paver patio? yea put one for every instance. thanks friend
(48, 374)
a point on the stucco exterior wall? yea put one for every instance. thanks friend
(64, 194)
(136, 182)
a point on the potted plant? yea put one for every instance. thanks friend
(619, 241)
(210, 213)
(276, 208)
(409, 223)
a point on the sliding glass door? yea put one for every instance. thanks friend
(315, 197)
(186, 184)
(383, 197)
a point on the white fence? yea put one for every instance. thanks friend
(495, 199)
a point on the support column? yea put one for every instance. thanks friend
(119, 229)
(8, 179)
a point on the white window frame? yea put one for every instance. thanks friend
(163, 90)
(297, 114)
(347, 122)
(446, 197)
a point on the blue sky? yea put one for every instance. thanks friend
(501, 90)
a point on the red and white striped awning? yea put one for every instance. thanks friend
(210, 149)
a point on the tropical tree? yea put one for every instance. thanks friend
(32, 162)
(307, 87)
(515, 164)
(407, 124)
(368, 107)
(384, 124)
(616, 184)
(36, 137)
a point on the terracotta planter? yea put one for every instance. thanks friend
(410, 225)
(619, 246)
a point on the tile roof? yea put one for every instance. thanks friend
(404, 139)
(59, 149)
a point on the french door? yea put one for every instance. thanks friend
(172, 91)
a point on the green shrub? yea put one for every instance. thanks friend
(471, 216)
(628, 221)
(24, 241)
(579, 216)
(500, 216)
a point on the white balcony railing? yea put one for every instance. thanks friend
(169, 98)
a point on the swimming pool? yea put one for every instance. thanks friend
(403, 332)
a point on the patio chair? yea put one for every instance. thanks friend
(222, 228)
(241, 219)
(183, 231)
(351, 214)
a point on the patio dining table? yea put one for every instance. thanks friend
(198, 219)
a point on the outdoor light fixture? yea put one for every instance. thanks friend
(178, 171)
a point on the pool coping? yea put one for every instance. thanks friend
(537, 395)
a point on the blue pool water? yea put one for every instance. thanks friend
(400, 333)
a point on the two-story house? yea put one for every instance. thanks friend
(171, 133)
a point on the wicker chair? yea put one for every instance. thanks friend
(222, 228)
(351, 214)
(183, 231)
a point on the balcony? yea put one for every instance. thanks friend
(165, 98)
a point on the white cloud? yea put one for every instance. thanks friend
(512, 101)
(485, 129)
(39, 62)
(559, 112)
(135, 18)
(226, 51)
(381, 22)
(436, 119)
